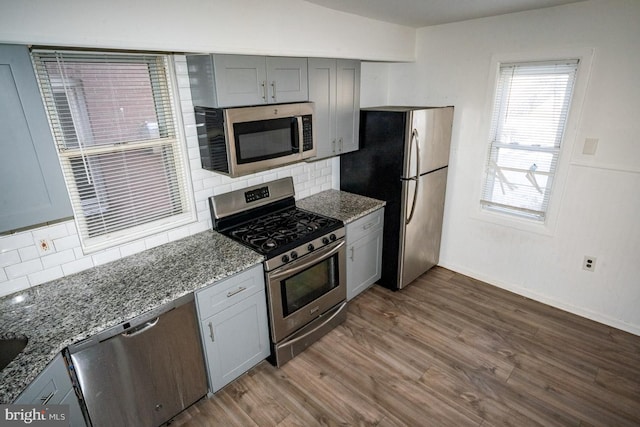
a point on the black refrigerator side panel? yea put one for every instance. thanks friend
(374, 171)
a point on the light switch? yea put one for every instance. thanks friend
(590, 146)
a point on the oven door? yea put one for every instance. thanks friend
(305, 289)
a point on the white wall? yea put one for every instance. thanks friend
(274, 27)
(595, 207)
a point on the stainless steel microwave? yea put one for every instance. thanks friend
(244, 140)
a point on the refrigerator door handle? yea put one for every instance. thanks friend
(416, 178)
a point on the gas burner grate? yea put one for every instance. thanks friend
(278, 229)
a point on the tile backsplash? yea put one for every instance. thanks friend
(38, 255)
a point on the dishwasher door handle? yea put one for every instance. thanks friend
(141, 328)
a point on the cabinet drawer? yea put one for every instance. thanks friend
(50, 387)
(220, 295)
(365, 225)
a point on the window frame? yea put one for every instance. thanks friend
(572, 132)
(177, 143)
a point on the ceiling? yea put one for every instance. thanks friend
(422, 13)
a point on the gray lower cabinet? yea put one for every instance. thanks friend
(364, 252)
(334, 87)
(53, 387)
(234, 326)
(241, 80)
(32, 187)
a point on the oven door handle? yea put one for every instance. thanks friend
(304, 263)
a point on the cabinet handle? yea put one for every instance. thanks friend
(353, 250)
(273, 86)
(237, 291)
(367, 226)
(44, 400)
(264, 90)
(211, 332)
(333, 145)
(341, 146)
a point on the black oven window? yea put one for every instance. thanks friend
(265, 139)
(308, 285)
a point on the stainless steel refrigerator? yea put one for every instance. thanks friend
(403, 159)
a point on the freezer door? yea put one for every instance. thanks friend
(421, 235)
(431, 129)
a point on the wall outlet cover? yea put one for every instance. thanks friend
(589, 263)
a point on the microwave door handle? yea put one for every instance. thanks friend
(300, 134)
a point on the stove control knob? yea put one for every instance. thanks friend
(285, 258)
(332, 237)
(325, 240)
(310, 248)
(294, 255)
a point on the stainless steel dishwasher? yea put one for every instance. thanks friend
(144, 371)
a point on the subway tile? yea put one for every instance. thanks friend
(106, 256)
(69, 242)
(14, 285)
(3, 276)
(203, 194)
(23, 269)
(47, 275)
(77, 266)
(51, 232)
(71, 228)
(16, 241)
(28, 253)
(157, 240)
(9, 258)
(132, 248)
(199, 227)
(58, 258)
(178, 233)
(197, 184)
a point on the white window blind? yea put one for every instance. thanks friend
(113, 120)
(529, 116)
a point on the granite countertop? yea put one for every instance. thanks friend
(61, 312)
(342, 205)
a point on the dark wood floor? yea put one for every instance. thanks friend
(447, 350)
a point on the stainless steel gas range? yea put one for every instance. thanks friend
(305, 261)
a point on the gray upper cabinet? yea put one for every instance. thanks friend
(33, 189)
(334, 87)
(241, 80)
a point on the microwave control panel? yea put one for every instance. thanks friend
(307, 133)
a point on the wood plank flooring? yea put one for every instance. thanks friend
(447, 350)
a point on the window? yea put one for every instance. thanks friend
(114, 124)
(529, 116)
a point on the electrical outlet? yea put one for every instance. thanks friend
(589, 263)
(45, 246)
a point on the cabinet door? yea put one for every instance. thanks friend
(347, 104)
(287, 79)
(240, 80)
(33, 189)
(364, 252)
(364, 263)
(322, 91)
(236, 339)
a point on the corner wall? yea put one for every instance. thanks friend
(595, 207)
